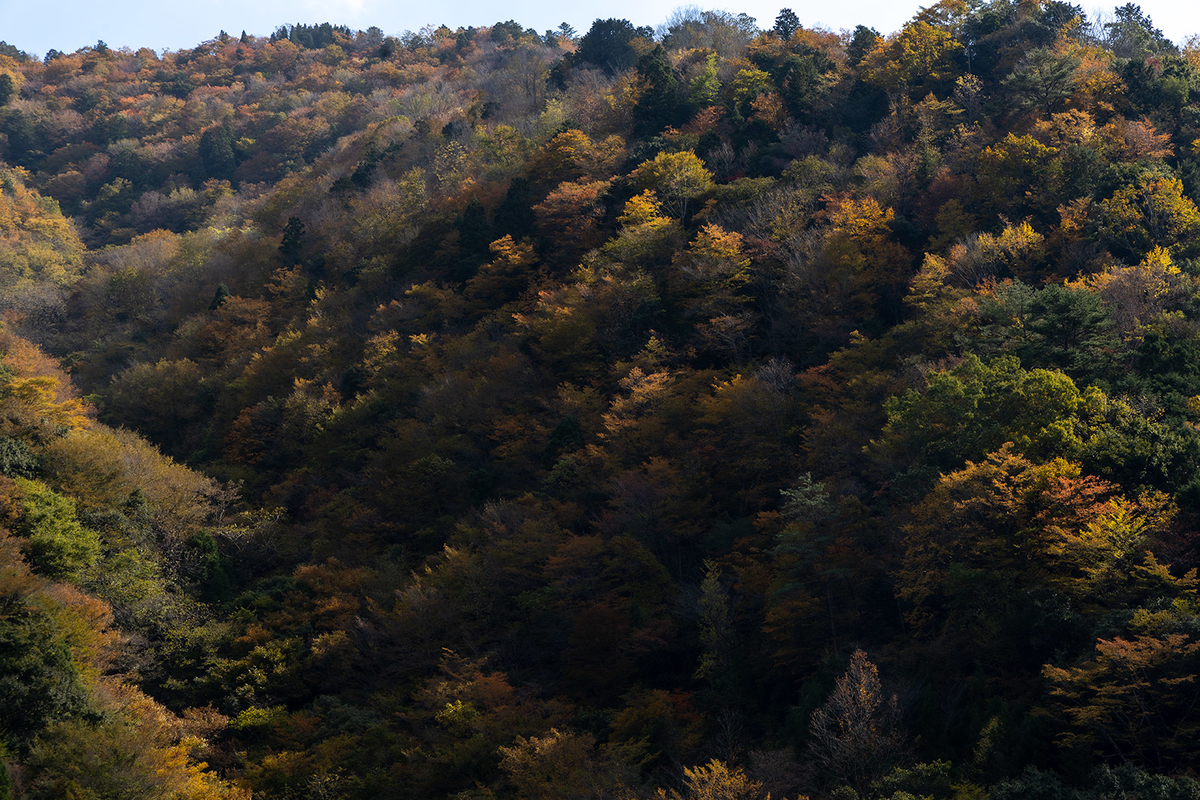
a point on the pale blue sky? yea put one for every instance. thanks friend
(172, 24)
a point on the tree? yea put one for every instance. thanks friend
(558, 764)
(714, 271)
(60, 548)
(572, 155)
(220, 296)
(859, 245)
(822, 564)
(132, 749)
(971, 410)
(7, 49)
(570, 216)
(292, 244)
(658, 104)
(718, 665)
(677, 178)
(647, 236)
(786, 24)
(217, 159)
(716, 780)
(992, 542)
(862, 42)
(1153, 212)
(474, 236)
(1106, 783)
(514, 216)
(1069, 329)
(1019, 175)
(1134, 700)
(922, 58)
(39, 682)
(163, 398)
(501, 279)
(40, 245)
(656, 728)
(608, 44)
(1043, 79)
(1132, 34)
(719, 32)
(856, 735)
(15, 459)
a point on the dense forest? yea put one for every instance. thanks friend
(708, 412)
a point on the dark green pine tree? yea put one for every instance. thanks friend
(292, 244)
(609, 45)
(514, 216)
(22, 137)
(219, 297)
(659, 105)
(217, 159)
(1043, 80)
(474, 236)
(861, 43)
(786, 24)
(1071, 329)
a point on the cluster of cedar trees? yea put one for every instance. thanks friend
(694, 413)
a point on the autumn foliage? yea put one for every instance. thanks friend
(723, 410)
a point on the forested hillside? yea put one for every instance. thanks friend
(694, 413)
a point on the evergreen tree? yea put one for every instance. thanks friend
(217, 159)
(292, 244)
(514, 216)
(786, 24)
(609, 45)
(474, 236)
(658, 106)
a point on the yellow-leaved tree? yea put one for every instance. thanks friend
(40, 251)
(677, 179)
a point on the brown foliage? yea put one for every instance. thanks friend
(856, 734)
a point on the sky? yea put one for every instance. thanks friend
(67, 25)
